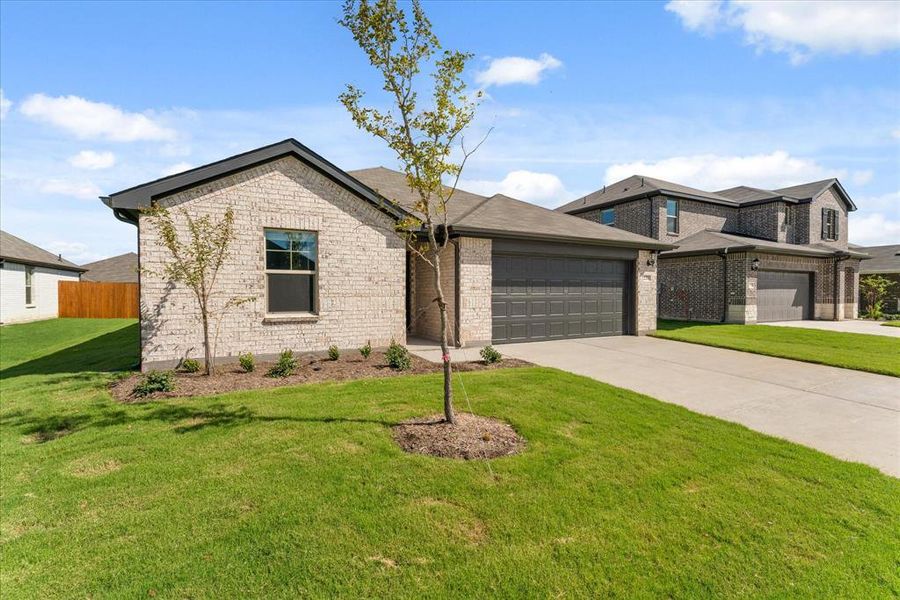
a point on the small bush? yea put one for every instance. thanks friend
(285, 366)
(366, 350)
(333, 352)
(154, 381)
(490, 355)
(398, 357)
(248, 361)
(189, 365)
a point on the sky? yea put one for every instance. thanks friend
(98, 97)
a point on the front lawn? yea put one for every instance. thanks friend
(301, 492)
(895, 323)
(873, 353)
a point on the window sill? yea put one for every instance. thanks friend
(276, 319)
(31, 306)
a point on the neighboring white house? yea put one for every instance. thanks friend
(29, 280)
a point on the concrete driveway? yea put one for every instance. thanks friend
(849, 414)
(852, 326)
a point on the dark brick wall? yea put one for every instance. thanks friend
(762, 221)
(690, 288)
(631, 216)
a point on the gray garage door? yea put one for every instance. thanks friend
(783, 296)
(550, 297)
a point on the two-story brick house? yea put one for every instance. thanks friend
(744, 255)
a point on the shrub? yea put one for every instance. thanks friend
(285, 366)
(333, 352)
(190, 365)
(248, 361)
(490, 355)
(366, 350)
(398, 357)
(154, 381)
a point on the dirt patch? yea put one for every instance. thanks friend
(41, 437)
(471, 437)
(311, 368)
(94, 467)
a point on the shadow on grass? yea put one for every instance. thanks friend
(666, 325)
(188, 419)
(113, 351)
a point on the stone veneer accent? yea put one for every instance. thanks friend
(645, 292)
(361, 288)
(471, 257)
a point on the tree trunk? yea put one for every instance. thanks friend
(207, 354)
(449, 415)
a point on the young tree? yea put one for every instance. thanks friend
(874, 290)
(423, 138)
(196, 263)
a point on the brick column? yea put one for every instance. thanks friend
(475, 271)
(840, 284)
(741, 285)
(645, 295)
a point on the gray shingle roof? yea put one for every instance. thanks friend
(711, 241)
(637, 186)
(885, 259)
(15, 249)
(743, 194)
(118, 269)
(503, 216)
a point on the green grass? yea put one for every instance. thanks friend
(300, 492)
(895, 323)
(863, 352)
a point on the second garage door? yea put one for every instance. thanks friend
(783, 296)
(552, 297)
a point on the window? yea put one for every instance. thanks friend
(291, 271)
(672, 216)
(829, 224)
(608, 217)
(29, 287)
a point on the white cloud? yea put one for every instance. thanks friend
(5, 104)
(75, 252)
(94, 120)
(83, 190)
(544, 189)
(862, 177)
(715, 172)
(516, 69)
(874, 229)
(92, 161)
(176, 168)
(800, 28)
(896, 134)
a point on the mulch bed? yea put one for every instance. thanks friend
(471, 437)
(311, 368)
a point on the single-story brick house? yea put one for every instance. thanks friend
(885, 261)
(744, 255)
(29, 280)
(316, 246)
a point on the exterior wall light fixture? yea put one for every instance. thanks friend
(754, 265)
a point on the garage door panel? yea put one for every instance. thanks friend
(563, 297)
(783, 296)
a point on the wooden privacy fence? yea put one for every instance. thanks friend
(98, 300)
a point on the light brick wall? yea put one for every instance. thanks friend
(361, 287)
(645, 292)
(44, 292)
(426, 317)
(474, 290)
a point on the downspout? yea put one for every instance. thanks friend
(724, 255)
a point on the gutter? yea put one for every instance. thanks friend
(724, 255)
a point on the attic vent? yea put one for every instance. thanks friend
(625, 190)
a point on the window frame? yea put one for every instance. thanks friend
(314, 273)
(29, 286)
(790, 215)
(608, 211)
(676, 218)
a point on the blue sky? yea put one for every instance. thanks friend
(99, 97)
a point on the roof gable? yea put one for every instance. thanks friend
(811, 191)
(133, 199)
(636, 187)
(15, 249)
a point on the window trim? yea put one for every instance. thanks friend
(275, 317)
(611, 211)
(29, 287)
(676, 218)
